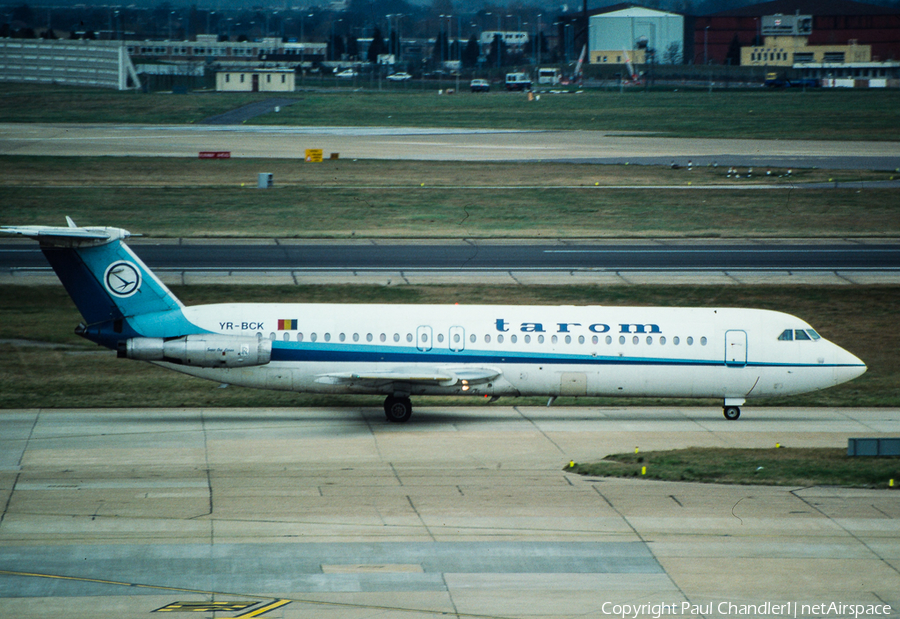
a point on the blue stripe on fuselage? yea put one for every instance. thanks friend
(343, 353)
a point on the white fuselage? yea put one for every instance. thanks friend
(526, 350)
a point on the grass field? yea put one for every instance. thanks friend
(56, 368)
(771, 467)
(339, 199)
(827, 114)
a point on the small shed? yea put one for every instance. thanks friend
(255, 80)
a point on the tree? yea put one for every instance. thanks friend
(733, 57)
(377, 47)
(439, 51)
(470, 53)
(498, 50)
(672, 54)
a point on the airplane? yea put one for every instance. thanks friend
(732, 354)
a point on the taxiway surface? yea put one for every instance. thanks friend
(462, 512)
(436, 145)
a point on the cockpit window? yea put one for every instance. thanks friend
(813, 334)
(786, 336)
(800, 334)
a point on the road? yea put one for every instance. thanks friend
(462, 512)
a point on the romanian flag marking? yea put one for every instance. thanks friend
(287, 324)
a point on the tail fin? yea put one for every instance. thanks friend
(105, 279)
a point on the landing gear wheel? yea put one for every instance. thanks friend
(397, 410)
(732, 412)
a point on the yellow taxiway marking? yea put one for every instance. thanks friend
(264, 609)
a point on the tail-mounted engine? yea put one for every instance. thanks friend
(204, 351)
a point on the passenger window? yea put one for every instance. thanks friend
(473, 338)
(554, 340)
(676, 340)
(609, 339)
(342, 337)
(800, 334)
(499, 339)
(635, 339)
(409, 337)
(440, 337)
(786, 336)
(595, 340)
(327, 337)
(487, 339)
(368, 337)
(540, 339)
(287, 337)
(313, 337)
(703, 341)
(662, 340)
(568, 339)
(649, 340)
(396, 337)
(621, 339)
(356, 337)
(581, 339)
(299, 337)
(382, 337)
(527, 339)
(512, 339)
(690, 341)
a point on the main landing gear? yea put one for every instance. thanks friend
(397, 409)
(732, 412)
(732, 408)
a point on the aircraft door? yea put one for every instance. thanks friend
(736, 348)
(423, 338)
(457, 339)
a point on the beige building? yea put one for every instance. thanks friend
(636, 56)
(786, 51)
(255, 80)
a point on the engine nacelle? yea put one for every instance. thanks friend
(202, 350)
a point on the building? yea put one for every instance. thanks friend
(786, 51)
(103, 64)
(646, 35)
(207, 48)
(840, 24)
(255, 80)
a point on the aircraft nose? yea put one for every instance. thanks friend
(847, 366)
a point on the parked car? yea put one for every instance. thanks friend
(480, 86)
(347, 73)
(399, 77)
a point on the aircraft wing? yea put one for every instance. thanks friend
(445, 377)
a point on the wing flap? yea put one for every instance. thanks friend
(443, 377)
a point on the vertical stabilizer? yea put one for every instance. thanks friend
(106, 280)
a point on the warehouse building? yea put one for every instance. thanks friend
(646, 35)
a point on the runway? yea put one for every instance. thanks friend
(436, 145)
(462, 512)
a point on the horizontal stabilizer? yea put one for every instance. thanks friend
(67, 236)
